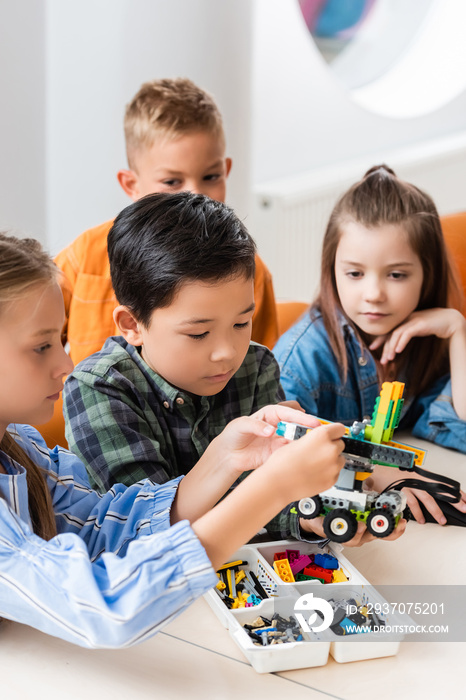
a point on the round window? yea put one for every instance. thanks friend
(397, 58)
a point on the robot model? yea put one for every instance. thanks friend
(366, 444)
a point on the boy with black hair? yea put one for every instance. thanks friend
(150, 402)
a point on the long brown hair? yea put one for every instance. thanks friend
(23, 266)
(382, 198)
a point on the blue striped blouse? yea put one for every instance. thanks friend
(117, 571)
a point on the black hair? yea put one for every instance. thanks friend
(164, 240)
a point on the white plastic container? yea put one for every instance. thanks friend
(313, 651)
(315, 648)
(361, 651)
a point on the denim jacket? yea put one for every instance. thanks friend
(310, 375)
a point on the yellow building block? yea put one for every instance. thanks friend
(239, 576)
(283, 569)
(339, 576)
(418, 454)
(396, 389)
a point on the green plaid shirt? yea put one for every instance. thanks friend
(127, 423)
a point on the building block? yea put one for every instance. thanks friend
(339, 576)
(239, 575)
(299, 564)
(292, 554)
(319, 572)
(327, 561)
(283, 569)
(279, 555)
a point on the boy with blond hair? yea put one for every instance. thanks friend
(174, 141)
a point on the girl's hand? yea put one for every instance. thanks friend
(248, 441)
(443, 323)
(307, 466)
(316, 526)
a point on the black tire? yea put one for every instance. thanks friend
(310, 507)
(340, 525)
(380, 522)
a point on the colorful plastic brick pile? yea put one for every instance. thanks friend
(278, 630)
(238, 587)
(293, 566)
(353, 617)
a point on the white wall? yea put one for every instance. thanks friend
(67, 69)
(305, 119)
(99, 53)
(22, 118)
(311, 140)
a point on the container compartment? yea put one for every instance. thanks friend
(267, 553)
(312, 651)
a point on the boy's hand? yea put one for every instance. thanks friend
(316, 526)
(289, 411)
(292, 404)
(383, 476)
(300, 467)
(248, 442)
(413, 496)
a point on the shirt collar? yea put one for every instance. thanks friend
(170, 396)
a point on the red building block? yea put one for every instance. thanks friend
(319, 572)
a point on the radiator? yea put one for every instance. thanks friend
(290, 215)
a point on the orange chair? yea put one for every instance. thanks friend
(288, 312)
(454, 230)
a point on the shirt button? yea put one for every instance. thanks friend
(362, 361)
(179, 401)
(166, 404)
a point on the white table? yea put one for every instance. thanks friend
(194, 657)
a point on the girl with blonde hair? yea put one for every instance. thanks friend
(109, 570)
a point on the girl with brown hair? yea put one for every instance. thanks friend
(385, 311)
